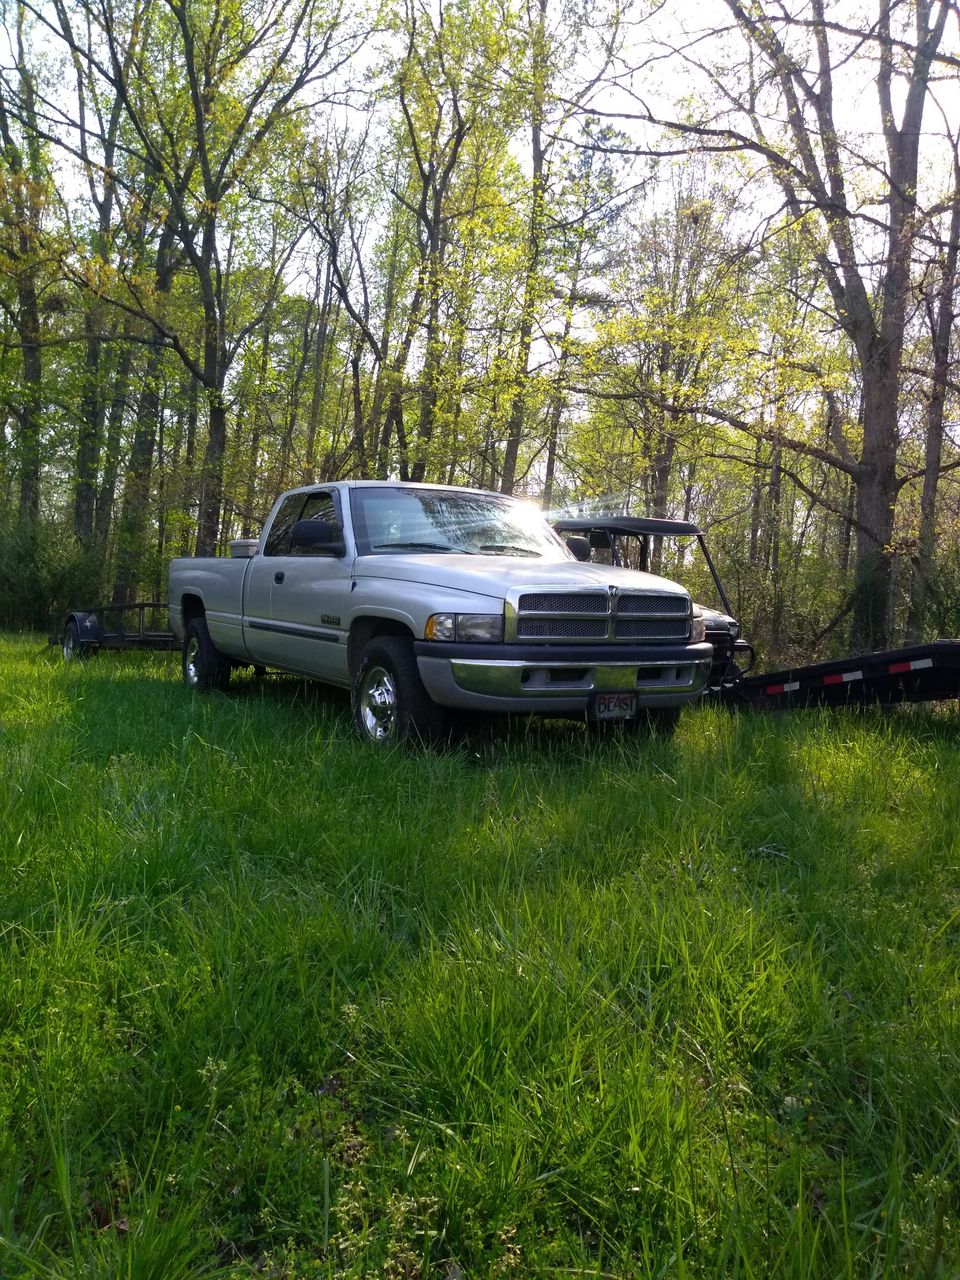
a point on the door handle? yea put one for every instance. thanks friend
(278, 576)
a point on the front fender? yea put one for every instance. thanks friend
(411, 604)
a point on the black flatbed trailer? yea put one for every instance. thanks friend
(84, 632)
(918, 673)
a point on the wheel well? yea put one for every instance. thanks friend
(192, 607)
(364, 630)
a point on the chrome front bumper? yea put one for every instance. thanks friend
(552, 678)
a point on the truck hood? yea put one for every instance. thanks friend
(496, 575)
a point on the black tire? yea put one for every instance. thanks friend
(204, 666)
(73, 647)
(389, 701)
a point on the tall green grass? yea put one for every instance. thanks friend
(274, 1004)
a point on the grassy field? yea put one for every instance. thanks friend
(274, 1004)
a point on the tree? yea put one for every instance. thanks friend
(779, 103)
(206, 108)
(23, 196)
(940, 308)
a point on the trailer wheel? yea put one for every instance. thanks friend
(390, 703)
(204, 666)
(73, 648)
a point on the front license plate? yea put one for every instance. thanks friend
(614, 706)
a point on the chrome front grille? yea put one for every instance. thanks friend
(651, 629)
(563, 602)
(592, 615)
(563, 628)
(651, 604)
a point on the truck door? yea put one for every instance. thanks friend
(303, 628)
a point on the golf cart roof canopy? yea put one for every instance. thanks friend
(636, 525)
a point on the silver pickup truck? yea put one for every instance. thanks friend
(425, 598)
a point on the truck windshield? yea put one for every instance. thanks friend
(394, 519)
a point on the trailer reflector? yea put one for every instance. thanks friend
(790, 687)
(918, 664)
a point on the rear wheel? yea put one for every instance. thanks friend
(390, 703)
(73, 647)
(204, 666)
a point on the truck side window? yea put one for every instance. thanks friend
(278, 542)
(318, 506)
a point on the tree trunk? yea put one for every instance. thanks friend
(942, 319)
(876, 500)
(517, 420)
(108, 484)
(131, 533)
(30, 413)
(211, 476)
(359, 448)
(25, 184)
(88, 433)
(320, 364)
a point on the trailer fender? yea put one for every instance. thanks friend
(81, 635)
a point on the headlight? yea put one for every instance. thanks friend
(698, 628)
(486, 627)
(442, 626)
(478, 628)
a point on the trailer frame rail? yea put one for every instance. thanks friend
(918, 673)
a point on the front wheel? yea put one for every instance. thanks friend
(390, 703)
(204, 666)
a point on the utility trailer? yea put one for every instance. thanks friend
(113, 626)
(918, 673)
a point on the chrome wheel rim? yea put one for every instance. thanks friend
(378, 704)
(191, 664)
